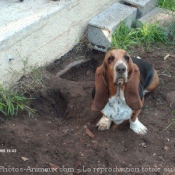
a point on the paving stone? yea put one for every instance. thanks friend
(102, 26)
(144, 6)
(163, 17)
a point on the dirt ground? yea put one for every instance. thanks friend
(58, 140)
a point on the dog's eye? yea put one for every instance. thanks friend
(110, 59)
(126, 58)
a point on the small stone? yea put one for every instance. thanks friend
(166, 148)
(82, 154)
(24, 159)
(170, 97)
(94, 141)
(143, 145)
(85, 126)
(88, 72)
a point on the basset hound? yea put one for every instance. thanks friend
(120, 86)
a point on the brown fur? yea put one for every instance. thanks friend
(101, 86)
(136, 112)
(131, 92)
(154, 83)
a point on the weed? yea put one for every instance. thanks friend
(124, 37)
(168, 4)
(151, 33)
(16, 97)
(147, 34)
(11, 102)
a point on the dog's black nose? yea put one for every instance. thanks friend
(121, 68)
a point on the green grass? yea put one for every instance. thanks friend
(124, 37)
(168, 4)
(150, 34)
(17, 96)
(11, 102)
(146, 35)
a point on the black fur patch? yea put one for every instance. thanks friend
(146, 72)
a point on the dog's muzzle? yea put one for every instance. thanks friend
(120, 70)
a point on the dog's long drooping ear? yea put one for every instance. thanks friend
(101, 89)
(132, 89)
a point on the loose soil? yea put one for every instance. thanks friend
(59, 136)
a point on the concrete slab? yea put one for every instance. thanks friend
(144, 6)
(102, 26)
(16, 15)
(38, 32)
(163, 17)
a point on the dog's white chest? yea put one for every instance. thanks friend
(117, 110)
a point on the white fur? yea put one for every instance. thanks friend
(145, 92)
(104, 123)
(116, 110)
(138, 127)
(125, 74)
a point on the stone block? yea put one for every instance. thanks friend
(102, 26)
(143, 6)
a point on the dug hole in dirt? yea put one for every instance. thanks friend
(64, 137)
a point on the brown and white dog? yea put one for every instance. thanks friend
(120, 86)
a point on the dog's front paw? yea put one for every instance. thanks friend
(104, 124)
(138, 127)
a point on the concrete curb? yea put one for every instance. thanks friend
(38, 35)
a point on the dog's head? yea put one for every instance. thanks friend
(117, 70)
(119, 66)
